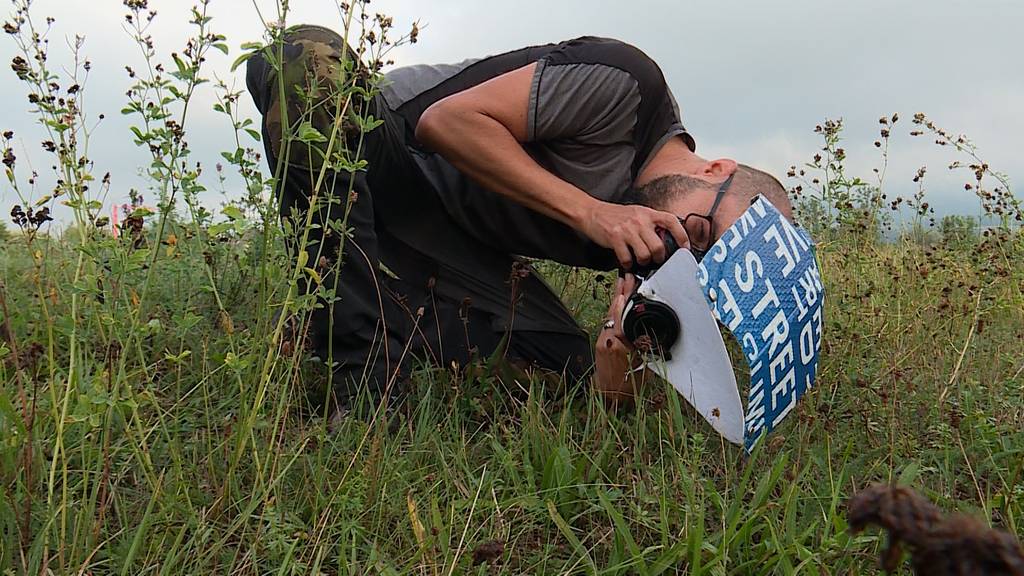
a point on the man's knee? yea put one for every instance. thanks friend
(568, 354)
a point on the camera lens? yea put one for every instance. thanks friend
(653, 320)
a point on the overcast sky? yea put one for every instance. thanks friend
(752, 78)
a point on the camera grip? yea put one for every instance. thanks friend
(645, 270)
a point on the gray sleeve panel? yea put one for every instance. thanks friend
(676, 129)
(531, 107)
(405, 83)
(591, 103)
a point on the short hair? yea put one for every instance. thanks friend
(747, 181)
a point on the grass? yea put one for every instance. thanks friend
(158, 451)
(150, 422)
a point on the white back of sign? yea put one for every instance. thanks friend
(699, 369)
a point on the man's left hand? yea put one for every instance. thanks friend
(612, 351)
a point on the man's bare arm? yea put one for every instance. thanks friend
(481, 130)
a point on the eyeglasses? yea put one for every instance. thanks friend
(701, 228)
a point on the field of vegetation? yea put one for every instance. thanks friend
(153, 420)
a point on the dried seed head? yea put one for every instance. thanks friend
(9, 158)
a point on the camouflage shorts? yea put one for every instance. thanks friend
(318, 82)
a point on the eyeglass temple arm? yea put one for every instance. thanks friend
(721, 194)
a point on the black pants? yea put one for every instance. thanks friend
(465, 300)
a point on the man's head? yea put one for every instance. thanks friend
(684, 194)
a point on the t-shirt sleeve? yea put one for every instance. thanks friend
(589, 102)
(602, 91)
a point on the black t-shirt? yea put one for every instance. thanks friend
(599, 109)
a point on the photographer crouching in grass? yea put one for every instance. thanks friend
(572, 152)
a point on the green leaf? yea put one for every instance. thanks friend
(180, 64)
(670, 558)
(177, 358)
(313, 274)
(624, 531)
(566, 531)
(138, 134)
(222, 47)
(220, 227)
(909, 474)
(233, 212)
(240, 60)
(307, 133)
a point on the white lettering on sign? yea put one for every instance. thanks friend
(746, 224)
(781, 373)
(785, 411)
(782, 249)
(752, 261)
(806, 343)
(814, 338)
(729, 304)
(796, 241)
(755, 405)
(750, 343)
(817, 277)
(801, 309)
(718, 252)
(755, 414)
(736, 233)
(811, 283)
(770, 297)
(734, 236)
(777, 332)
(759, 208)
(817, 322)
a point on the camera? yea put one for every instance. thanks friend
(644, 270)
(649, 323)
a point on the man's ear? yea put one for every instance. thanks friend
(718, 169)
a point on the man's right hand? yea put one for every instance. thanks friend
(631, 230)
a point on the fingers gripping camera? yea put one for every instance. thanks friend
(648, 323)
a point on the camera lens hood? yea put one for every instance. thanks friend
(645, 317)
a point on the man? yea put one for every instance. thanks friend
(573, 152)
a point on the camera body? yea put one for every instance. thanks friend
(645, 270)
